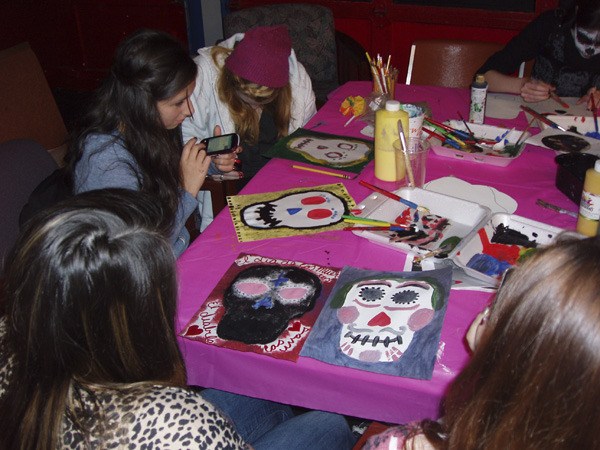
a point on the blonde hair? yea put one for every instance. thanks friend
(242, 97)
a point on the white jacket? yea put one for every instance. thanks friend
(210, 111)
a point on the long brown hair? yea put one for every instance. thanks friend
(534, 380)
(234, 92)
(149, 66)
(91, 297)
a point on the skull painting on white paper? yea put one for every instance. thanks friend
(329, 151)
(380, 317)
(385, 322)
(309, 209)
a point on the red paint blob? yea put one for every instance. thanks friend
(314, 200)
(318, 214)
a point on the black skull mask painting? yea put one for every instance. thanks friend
(261, 301)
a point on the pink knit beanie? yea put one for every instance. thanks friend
(262, 56)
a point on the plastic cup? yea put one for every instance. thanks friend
(416, 157)
(416, 115)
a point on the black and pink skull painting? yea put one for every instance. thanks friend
(380, 316)
(262, 299)
(333, 152)
(310, 209)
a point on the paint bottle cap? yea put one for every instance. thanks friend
(392, 105)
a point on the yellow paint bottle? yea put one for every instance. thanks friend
(589, 207)
(386, 132)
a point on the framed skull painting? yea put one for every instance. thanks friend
(263, 305)
(385, 322)
(289, 213)
(322, 149)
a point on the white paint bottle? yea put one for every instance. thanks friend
(478, 96)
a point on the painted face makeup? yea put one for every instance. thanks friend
(587, 41)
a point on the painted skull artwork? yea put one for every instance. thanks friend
(332, 152)
(309, 209)
(262, 299)
(384, 322)
(380, 317)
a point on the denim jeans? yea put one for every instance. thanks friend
(273, 426)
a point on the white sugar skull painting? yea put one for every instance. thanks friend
(322, 149)
(334, 152)
(310, 209)
(291, 212)
(386, 322)
(380, 316)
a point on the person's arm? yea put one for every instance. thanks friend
(105, 164)
(499, 68)
(303, 97)
(530, 89)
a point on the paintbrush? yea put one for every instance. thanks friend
(393, 196)
(407, 164)
(524, 131)
(594, 112)
(552, 207)
(542, 118)
(558, 100)
(475, 144)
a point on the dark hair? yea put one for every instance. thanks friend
(588, 14)
(149, 66)
(91, 296)
(534, 380)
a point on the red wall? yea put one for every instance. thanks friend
(75, 39)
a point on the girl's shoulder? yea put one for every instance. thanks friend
(160, 417)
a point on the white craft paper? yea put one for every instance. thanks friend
(484, 195)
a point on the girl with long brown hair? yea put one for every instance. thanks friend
(534, 379)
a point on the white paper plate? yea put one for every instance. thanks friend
(464, 217)
(473, 247)
(494, 157)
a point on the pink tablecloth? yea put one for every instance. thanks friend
(312, 383)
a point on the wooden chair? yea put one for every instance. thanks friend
(447, 62)
(29, 110)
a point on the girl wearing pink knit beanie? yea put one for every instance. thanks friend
(251, 84)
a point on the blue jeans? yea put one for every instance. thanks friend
(268, 425)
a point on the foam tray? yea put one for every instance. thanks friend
(464, 218)
(473, 246)
(488, 156)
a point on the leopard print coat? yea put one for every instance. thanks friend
(143, 416)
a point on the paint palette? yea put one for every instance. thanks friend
(501, 154)
(502, 242)
(449, 221)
